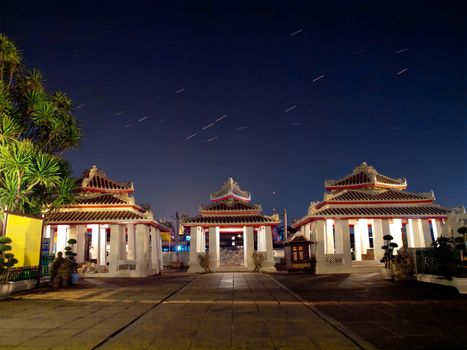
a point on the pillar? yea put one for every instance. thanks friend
(437, 228)
(426, 234)
(396, 231)
(261, 239)
(115, 246)
(364, 235)
(268, 263)
(195, 237)
(62, 238)
(102, 246)
(155, 252)
(248, 246)
(417, 232)
(380, 229)
(214, 251)
(81, 241)
(357, 233)
(131, 241)
(338, 237)
(94, 242)
(143, 265)
(329, 239)
(343, 236)
(320, 238)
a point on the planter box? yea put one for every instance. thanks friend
(461, 284)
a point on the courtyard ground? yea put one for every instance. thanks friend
(236, 311)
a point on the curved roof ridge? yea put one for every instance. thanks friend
(94, 178)
(365, 175)
(230, 189)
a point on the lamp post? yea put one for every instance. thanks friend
(285, 225)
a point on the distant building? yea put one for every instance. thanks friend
(231, 229)
(119, 236)
(358, 210)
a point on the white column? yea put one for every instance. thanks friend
(268, 263)
(426, 234)
(417, 232)
(143, 265)
(364, 235)
(261, 239)
(201, 246)
(339, 240)
(214, 251)
(320, 238)
(195, 237)
(94, 241)
(343, 237)
(115, 246)
(395, 231)
(409, 230)
(380, 229)
(437, 230)
(154, 249)
(62, 238)
(357, 234)
(329, 241)
(248, 246)
(81, 241)
(102, 246)
(131, 241)
(312, 237)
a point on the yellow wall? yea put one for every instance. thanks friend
(25, 233)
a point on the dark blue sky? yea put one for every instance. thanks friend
(238, 58)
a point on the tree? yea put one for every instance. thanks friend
(36, 127)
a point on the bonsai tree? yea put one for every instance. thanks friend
(7, 260)
(388, 257)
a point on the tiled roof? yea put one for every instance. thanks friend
(247, 219)
(91, 216)
(103, 199)
(230, 205)
(95, 179)
(378, 211)
(231, 189)
(388, 195)
(365, 176)
(359, 178)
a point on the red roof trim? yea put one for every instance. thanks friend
(374, 202)
(100, 190)
(366, 185)
(80, 206)
(318, 218)
(232, 225)
(229, 212)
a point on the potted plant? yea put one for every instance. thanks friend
(388, 257)
(7, 261)
(71, 256)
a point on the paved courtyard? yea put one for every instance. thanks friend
(236, 311)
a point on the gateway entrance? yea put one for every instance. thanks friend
(231, 249)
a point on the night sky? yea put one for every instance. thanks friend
(310, 91)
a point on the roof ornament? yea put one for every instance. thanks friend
(231, 190)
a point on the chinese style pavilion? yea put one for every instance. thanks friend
(119, 236)
(358, 210)
(234, 229)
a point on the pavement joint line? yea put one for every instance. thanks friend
(355, 338)
(118, 331)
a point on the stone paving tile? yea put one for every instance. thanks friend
(208, 316)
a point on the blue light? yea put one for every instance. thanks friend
(188, 238)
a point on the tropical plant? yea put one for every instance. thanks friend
(7, 259)
(388, 247)
(36, 127)
(444, 255)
